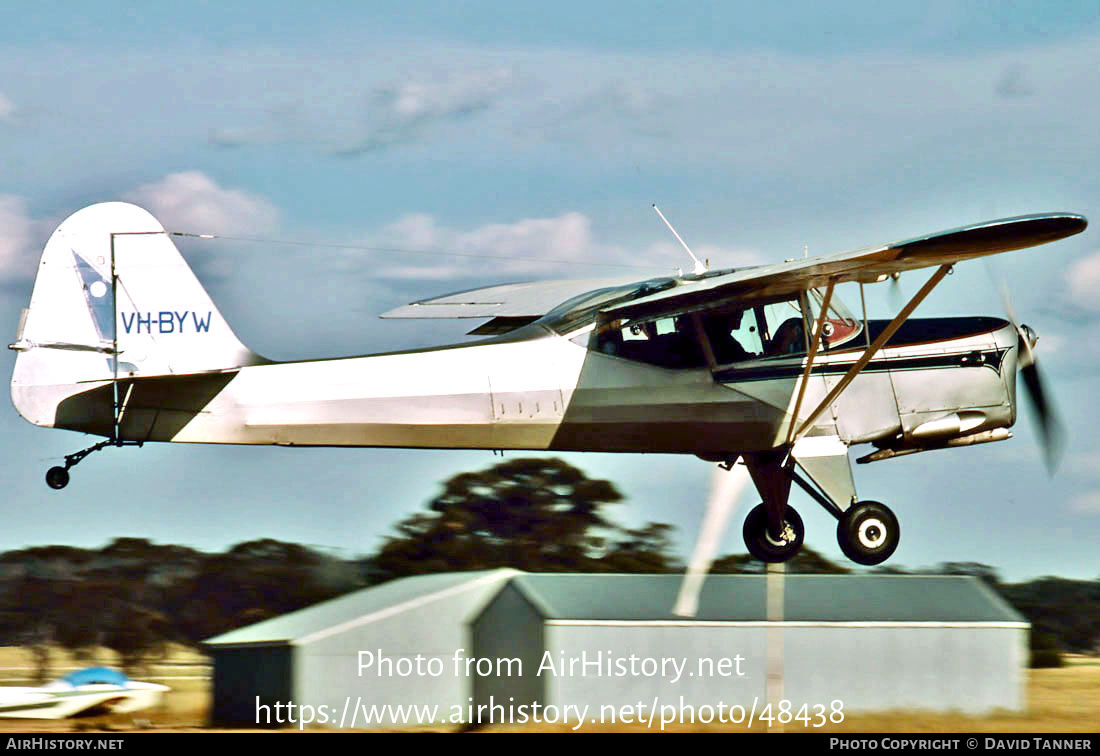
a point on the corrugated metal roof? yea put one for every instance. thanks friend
(730, 598)
(354, 607)
(807, 598)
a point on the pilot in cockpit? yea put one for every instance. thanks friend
(726, 348)
(790, 338)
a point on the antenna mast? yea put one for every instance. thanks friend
(699, 267)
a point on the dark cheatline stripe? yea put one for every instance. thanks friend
(28, 707)
(646, 436)
(158, 409)
(989, 358)
(923, 330)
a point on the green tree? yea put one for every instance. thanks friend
(642, 550)
(253, 581)
(538, 515)
(983, 572)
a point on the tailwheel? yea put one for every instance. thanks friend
(761, 544)
(57, 477)
(868, 533)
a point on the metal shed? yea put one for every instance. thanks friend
(872, 642)
(312, 656)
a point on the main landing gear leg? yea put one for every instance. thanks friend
(58, 477)
(866, 531)
(773, 530)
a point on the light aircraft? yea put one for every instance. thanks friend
(761, 365)
(85, 692)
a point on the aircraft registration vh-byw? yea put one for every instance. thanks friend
(760, 365)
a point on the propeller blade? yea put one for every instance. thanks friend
(1027, 356)
(1050, 428)
(725, 488)
(1051, 431)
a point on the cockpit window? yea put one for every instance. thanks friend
(751, 333)
(776, 330)
(669, 342)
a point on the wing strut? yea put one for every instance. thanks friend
(872, 350)
(815, 342)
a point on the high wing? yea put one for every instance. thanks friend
(694, 293)
(515, 303)
(529, 299)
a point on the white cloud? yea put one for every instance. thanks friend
(1050, 343)
(1014, 82)
(1083, 278)
(526, 246)
(191, 201)
(559, 245)
(7, 108)
(1084, 468)
(17, 253)
(399, 113)
(351, 119)
(454, 94)
(1083, 464)
(872, 121)
(566, 237)
(1086, 503)
(615, 111)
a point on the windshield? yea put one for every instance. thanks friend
(95, 675)
(581, 310)
(840, 325)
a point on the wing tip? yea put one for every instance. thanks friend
(1054, 226)
(1071, 223)
(1001, 235)
(1078, 222)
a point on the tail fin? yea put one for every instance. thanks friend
(114, 300)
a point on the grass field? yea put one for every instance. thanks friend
(1059, 700)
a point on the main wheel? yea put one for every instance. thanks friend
(57, 477)
(868, 533)
(765, 548)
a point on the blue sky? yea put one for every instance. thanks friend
(546, 132)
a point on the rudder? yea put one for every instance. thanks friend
(87, 324)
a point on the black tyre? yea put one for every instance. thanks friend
(868, 533)
(57, 477)
(763, 546)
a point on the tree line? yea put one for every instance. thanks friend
(539, 515)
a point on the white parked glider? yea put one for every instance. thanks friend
(87, 691)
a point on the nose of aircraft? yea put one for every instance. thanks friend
(1050, 429)
(1027, 332)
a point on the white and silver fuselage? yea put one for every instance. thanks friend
(538, 390)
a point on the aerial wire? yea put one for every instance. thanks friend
(400, 250)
